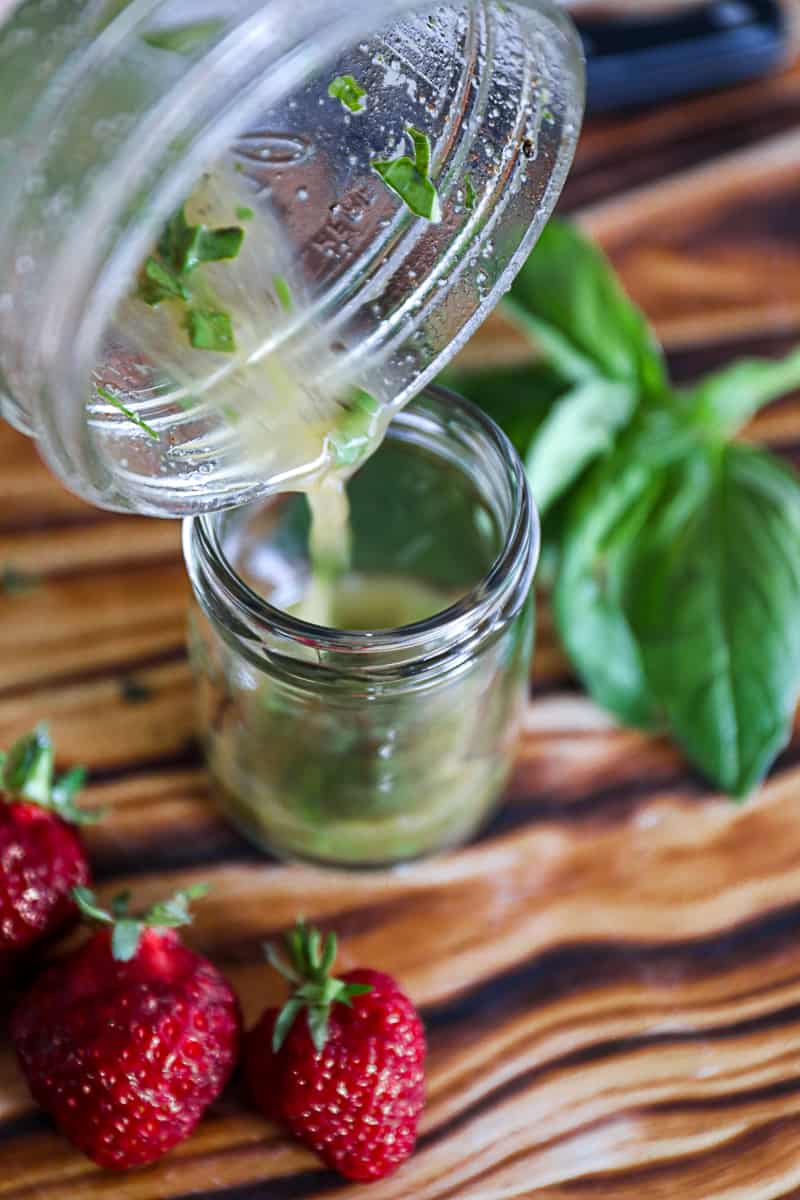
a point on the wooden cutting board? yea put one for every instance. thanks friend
(610, 975)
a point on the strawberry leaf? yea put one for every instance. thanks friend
(284, 1023)
(125, 939)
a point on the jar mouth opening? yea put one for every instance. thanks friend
(494, 600)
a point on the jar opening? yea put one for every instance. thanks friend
(457, 435)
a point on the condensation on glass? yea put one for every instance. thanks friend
(104, 132)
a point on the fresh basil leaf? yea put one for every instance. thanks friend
(714, 599)
(609, 511)
(349, 92)
(580, 426)
(572, 304)
(726, 400)
(518, 399)
(210, 330)
(184, 39)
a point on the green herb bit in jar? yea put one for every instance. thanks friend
(410, 178)
(210, 330)
(283, 292)
(183, 39)
(349, 92)
(110, 398)
(470, 195)
(353, 435)
(243, 213)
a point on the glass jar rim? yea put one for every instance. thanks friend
(480, 613)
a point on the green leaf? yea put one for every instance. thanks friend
(318, 1026)
(470, 195)
(158, 283)
(580, 426)
(714, 599)
(125, 939)
(244, 213)
(209, 330)
(353, 436)
(518, 399)
(570, 301)
(28, 768)
(110, 398)
(87, 904)
(184, 39)
(174, 912)
(284, 1023)
(349, 92)
(215, 245)
(601, 527)
(726, 400)
(283, 292)
(409, 178)
(62, 799)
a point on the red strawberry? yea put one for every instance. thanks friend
(41, 855)
(342, 1064)
(128, 1040)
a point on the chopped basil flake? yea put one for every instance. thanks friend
(210, 330)
(349, 92)
(410, 179)
(182, 248)
(353, 435)
(184, 39)
(244, 214)
(110, 398)
(470, 195)
(158, 283)
(283, 292)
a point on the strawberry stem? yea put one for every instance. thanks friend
(27, 772)
(315, 990)
(127, 929)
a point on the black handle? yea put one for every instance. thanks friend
(644, 60)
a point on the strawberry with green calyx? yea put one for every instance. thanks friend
(128, 1040)
(342, 1064)
(42, 857)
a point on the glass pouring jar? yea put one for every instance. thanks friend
(114, 109)
(369, 747)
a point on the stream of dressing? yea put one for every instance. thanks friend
(291, 402)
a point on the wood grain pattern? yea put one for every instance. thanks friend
(610, 974)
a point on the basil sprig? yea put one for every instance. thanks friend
(676, 549)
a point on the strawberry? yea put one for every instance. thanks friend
(41, 855)
(128, 1040)
(342, 1065)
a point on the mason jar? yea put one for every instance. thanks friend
(373, 745)
(112, 112)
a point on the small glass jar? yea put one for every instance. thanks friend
(375, 746)
(114, 109)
